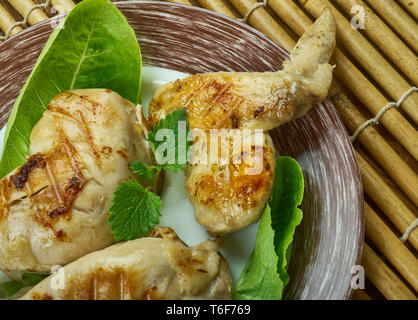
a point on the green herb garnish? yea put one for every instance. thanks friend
(135, 209)
(170, 152)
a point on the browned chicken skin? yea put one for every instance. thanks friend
(157, 267)
(54, 208)
(224, 197)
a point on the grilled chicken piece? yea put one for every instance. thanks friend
(228, 100)
(54, 208)
(229, 197)
(159, 267)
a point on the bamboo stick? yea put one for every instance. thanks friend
(219, 6)
(397, 169)
(292, 15)
(383, 278)
(181, 2)
(391, 247)
(360, 295)
(381, 194)
(385, 39)
(6, 20)
(365, 54)
(411, 6)
(389, 181)
(398, 19)
(393, 120)
(396, 124)
(264, 22)
(403, 153)
(63, 6)
(22, 6)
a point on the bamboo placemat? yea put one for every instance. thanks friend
(375, 66)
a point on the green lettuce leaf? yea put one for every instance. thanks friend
(287, 195)
(259, 279)
(10, 288)
(94, 48)
(265, 275)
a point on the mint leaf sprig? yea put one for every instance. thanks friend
(147, 173)
(175, 160)
(135, 210)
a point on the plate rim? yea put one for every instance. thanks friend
(357, 178)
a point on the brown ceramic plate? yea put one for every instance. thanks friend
(188, 39)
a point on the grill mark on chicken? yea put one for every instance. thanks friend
(247, 190)
(47, 180)
(144, 269)
(81, 121)
(221, 94)
(19, 179)
(5, 196)
(65, 192)
(38, 296)
(122, 153)
(188, 96)
(89, 137)
(70, 192)
(53, 183)
(101, 284)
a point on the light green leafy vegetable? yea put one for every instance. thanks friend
(10, 288)
(265, 275)
(287, 195)
(94, 48)
(260, 280)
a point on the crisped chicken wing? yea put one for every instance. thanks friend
(159, 267)
(54, 208)
(228, 100)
